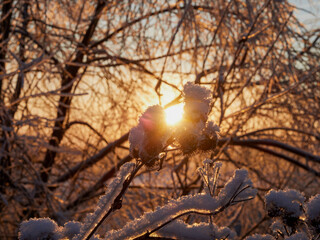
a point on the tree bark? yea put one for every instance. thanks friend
(67, 82)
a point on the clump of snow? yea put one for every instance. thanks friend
(297, 236)
(197, 102)
(71, 229)
(202, 203)
(149, 137)
(211, 128)
(152, 118)
(238, 188)
(195, 91)
(106, 201)
(313, 207)
(39, 228)
(285, 204)
(194, 132)
(313, 213)
(180, 230)
(260, 237)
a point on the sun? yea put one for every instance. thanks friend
(174, 114)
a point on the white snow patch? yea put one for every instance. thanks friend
(313, 208)
(39, 228)
(204, 231)
(289, 201)
(238, 188)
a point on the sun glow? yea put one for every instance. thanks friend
(174, 114)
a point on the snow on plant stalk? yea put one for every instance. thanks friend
(200, 203)
(210, 175)
(105, 202)
(240, 188)
(237, 189)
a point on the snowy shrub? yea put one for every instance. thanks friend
(159, 222)
(148, 145)
(285, 204)
(237, 189)
(295, 218)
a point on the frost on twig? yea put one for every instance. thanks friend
(210, 175)
(105, 202)
(239, 188)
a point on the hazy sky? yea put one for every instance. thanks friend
(310, 17)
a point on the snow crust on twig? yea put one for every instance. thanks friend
(105, 202)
